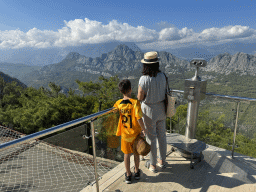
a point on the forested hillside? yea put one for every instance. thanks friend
(31, 110)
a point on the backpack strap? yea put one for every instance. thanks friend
(167, 84)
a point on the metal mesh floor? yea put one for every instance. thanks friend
(40, 166)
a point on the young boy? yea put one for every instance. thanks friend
(129, 127)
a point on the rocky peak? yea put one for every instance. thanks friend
(226, 54)
(122, 47)
(73, 55)
(122, 51)
(226, 63)
(133, 46)
(223, 58)
(240, 60)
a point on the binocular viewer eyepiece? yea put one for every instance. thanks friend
(198, 62)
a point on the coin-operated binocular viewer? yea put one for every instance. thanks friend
(194, 91)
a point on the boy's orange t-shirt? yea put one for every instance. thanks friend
(130, 113)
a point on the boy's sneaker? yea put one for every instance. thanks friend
(128, 179)
(137, 175)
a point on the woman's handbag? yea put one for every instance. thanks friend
(140, 146)
(169, 101)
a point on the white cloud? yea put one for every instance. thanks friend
(228, 32)
(173, 37)
(174, 33)
(79, 32)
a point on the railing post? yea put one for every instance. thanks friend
(170, 131)
(94, 155)
(234, 139)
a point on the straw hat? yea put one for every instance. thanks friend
(140, 146)
(150, 57)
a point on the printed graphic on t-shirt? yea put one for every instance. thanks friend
(130, 112)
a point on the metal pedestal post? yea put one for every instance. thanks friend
(192, 114)
(195, 90)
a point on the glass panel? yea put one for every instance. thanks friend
(179, 119)
(216, 124)
(246, 133)
(62, 161)
(108, 145)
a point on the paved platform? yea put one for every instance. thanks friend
(217, 172)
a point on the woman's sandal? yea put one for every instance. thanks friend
(162, 166)
(147, 164)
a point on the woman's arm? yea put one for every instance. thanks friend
(143, 130)
(141, 94)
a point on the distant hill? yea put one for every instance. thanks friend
(17, 70)
(9, 79)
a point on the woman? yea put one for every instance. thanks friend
(151, 91)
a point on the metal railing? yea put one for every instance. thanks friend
(21, 139)
(220, 96)
(49, 131)
(234, 98)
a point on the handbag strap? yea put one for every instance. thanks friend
(167, 84)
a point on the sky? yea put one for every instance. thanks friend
(150, 24)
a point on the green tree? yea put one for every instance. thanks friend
(254, 137)
(10, 94)
(2, 85)
(71, 92)
(106, 91)
(54, 88)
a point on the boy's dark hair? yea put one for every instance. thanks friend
(151, 69)
(124, 86)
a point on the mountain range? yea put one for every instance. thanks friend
(207, 52)
(46, 56)
(123, 61)
(126, 63)
(41, 57)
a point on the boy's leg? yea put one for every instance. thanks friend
(127, 164)
(137, 162)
